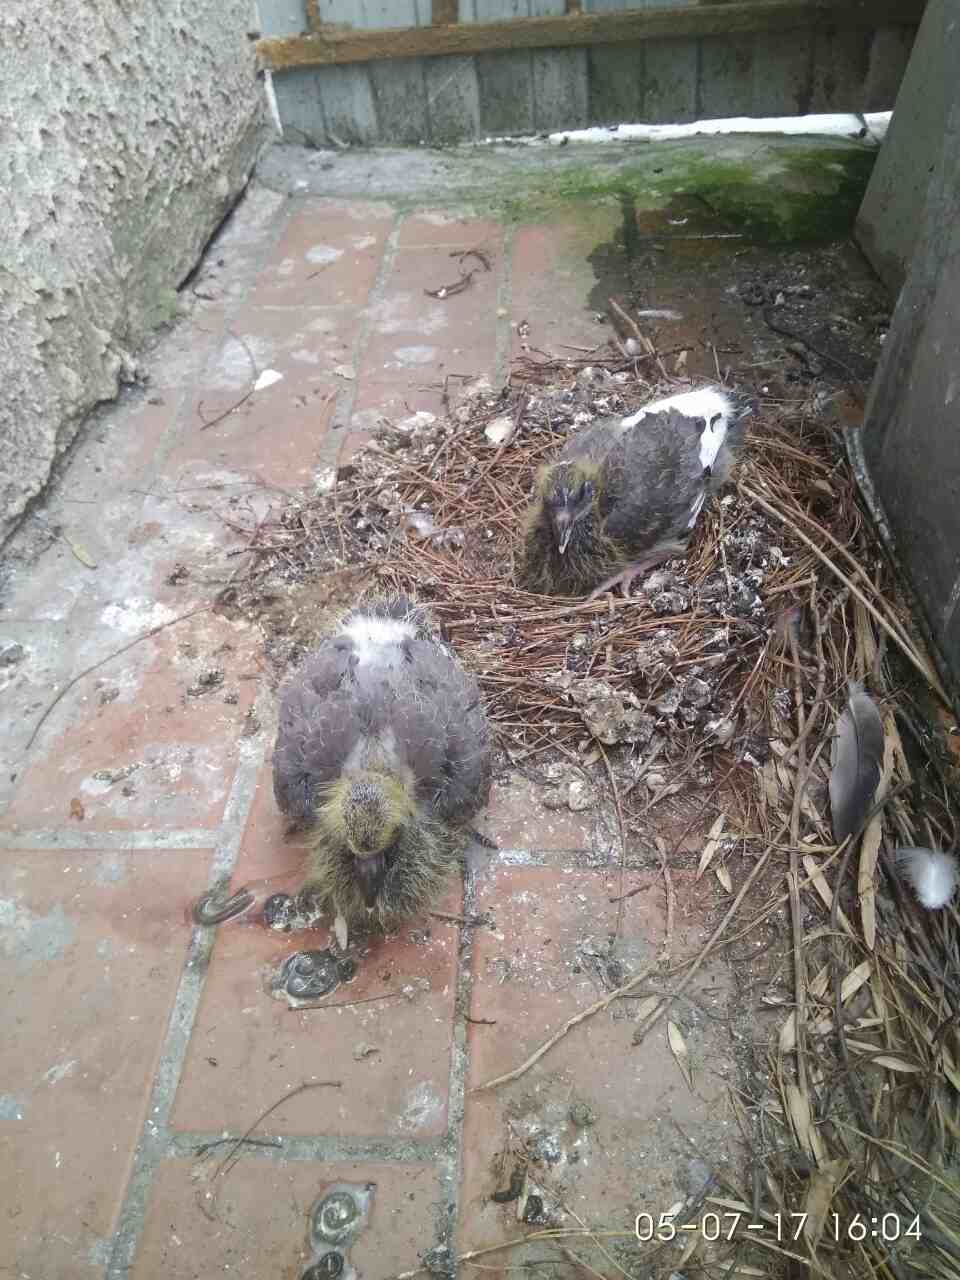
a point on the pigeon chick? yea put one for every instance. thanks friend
(624, 494)
(383, 751)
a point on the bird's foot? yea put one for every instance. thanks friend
(623, 580)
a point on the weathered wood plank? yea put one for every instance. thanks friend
(333, 45)
(453, 99)
(783, 74)
(671, 74)
(726, 77)
(560, 88)
(617, 81)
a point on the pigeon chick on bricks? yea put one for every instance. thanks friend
(624, 493)
(383, 752)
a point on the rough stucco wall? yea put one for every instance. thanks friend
(126, 132)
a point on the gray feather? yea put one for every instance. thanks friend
(856, 759)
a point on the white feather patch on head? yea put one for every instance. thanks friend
(932, 874)
(714, 406)
(371, 636)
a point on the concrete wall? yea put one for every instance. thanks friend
(454, 99)
(887, 225)
(908, 453)
(126, 132)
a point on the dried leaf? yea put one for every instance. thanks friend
(820, 1192)
(889, 1060)
(77, 810)
(855, 980)
(712, 845)
(819, 882)
(788, 1034)
(80, 551)
(866, 655)
(771, 787)
(723, 875)
(645, 1008)
(855, 760)
(798, 1105)
(678, 1047)
(341, 932)
(818, 986)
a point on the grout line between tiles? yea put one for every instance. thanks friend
(320, 1150)
(104, 841)
(153, 1140)
(450, 1164)
(504, 344)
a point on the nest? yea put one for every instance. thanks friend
(731, 665)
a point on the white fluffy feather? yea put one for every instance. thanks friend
(716, 408)
(372, 636)
(932, 874)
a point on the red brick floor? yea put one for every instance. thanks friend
(131, 1038)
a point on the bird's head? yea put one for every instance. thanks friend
(367, 813)
(568, 492)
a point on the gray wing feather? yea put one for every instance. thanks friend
(651, 480)
(856, 762)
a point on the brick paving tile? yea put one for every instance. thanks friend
(517, 819)
(381, 398)
(262, 1226)
(554, 284)
(449, 230)
(329, 255)
(275, 432)
(150, 740)
(414, 341)
(392, 1054)
(597, 1115)
(91, 949)
(301, 322)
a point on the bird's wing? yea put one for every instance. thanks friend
(319, 724)
(441, 729)
(593, 443)
(653, 483)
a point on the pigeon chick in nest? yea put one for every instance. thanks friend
(383, 751)
(624, 494)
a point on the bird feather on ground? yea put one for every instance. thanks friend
(383, 752)
(624, 494)
(932, 874)
(856, 759)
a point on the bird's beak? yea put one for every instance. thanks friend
(565, 533)
(371, 872)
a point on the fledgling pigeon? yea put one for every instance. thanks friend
(625, 493)
(383, 751)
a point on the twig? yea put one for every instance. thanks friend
(222, 1170)
(254, 375)
(696, 961)
(345, 1004)
(103, 661)
(909, 653)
